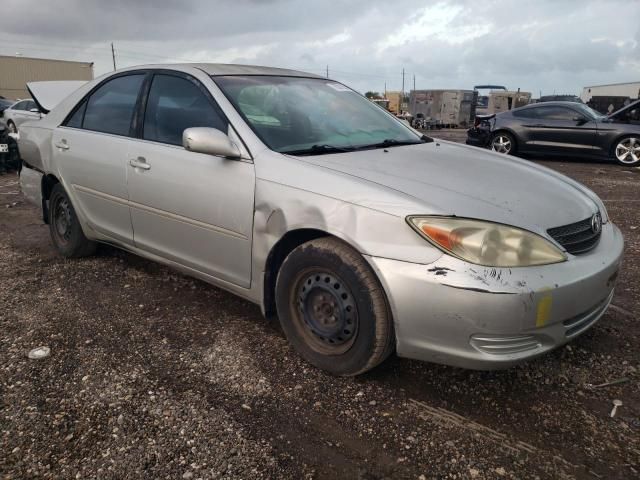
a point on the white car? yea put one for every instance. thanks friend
(20, 112)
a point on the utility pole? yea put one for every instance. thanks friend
(414, 81)
(113, 56)
(385, 89)
(402, 94)
(327, 71)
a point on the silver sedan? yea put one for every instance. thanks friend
(295, 192)
(18, 113)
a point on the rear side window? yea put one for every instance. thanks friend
(174, 105)
(526, 113)
(556, 113)
(20, 105)
(110, 108)
(76, 119)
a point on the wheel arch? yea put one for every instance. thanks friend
(283, 247)
(616, 140)
(508, 130)
(48, 182)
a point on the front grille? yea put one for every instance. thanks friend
(576, 237)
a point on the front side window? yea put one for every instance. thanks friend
(110, 108)
(309, 115)
(174, 105)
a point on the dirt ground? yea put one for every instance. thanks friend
(156, 375)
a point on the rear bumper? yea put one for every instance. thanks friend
(478, 137)
(31, 184)
(470, 316)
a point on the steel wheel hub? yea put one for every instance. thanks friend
(327, 309)
(62, 222)
(501, 144)
(628, 150)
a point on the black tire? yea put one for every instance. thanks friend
(12, 127)
(64, 227)
(625, 148)
(503, 137)
(341, 323)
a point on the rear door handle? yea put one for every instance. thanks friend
(62, 145)
(139, 162)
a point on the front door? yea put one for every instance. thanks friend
(188, 207)
(560, 129)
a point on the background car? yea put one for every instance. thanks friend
(558, 128)
(20, 112)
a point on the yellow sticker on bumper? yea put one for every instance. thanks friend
(544, 310)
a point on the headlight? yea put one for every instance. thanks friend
(486, 243)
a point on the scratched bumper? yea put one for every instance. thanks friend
(460, 314)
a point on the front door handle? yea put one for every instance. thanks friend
(139, 162)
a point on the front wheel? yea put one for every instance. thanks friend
(333, 309)
(627, 151)
(12, 127)
(64, 227)
(503, 142)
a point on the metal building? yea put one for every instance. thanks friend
(15, 72)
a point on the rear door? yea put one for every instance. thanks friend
(188, 207)
(91, 152)
(560, 129)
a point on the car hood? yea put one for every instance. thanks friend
(451, 179)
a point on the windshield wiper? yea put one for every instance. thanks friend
(318, 150)
(390, 142)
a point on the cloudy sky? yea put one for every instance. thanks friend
(542, 45)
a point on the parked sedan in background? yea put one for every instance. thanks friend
(20, 112)
(299, 194)
(558, 128)
(4, 104)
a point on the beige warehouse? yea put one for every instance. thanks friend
(15, 72)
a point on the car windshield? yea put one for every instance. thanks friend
(312, 116)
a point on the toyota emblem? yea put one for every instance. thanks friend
(596, 223)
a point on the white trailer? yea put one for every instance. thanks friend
(630, 89)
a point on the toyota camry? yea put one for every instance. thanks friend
(361, 235)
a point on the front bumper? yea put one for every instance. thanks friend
(484, 318)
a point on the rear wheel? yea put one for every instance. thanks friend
(64, 227)
(627, 151)
(333, 309)
(503, 142)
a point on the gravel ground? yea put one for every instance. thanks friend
(156, 375)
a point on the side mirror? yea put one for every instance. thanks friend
(210, 141)
(580, 120)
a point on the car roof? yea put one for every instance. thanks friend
(556, 103)
(219, 69)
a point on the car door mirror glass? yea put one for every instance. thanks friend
(34, 110)
(210, 141)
